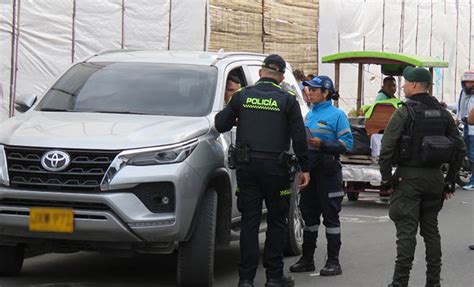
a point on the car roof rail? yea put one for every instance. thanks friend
(223, 55)
(107, 51)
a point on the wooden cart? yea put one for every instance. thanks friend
(361, 172)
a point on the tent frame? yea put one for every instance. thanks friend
(378, 58)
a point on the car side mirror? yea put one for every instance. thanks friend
(24, 103)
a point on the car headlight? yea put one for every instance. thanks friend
(148, 156)
(160, 155)
(3, 167)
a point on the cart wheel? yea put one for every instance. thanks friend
(353, 196)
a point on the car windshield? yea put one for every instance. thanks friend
(133, 88)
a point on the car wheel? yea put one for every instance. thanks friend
(196, 256)
(295, 226)
(353, 196)
(11, 260)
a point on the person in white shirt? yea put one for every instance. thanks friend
(465, 105)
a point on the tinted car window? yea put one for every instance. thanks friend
(142, 88)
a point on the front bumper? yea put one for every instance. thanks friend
(112, 216)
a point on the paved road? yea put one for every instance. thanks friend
(367, 256)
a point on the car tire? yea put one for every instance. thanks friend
(353, 196)
(295, 226)
(196, 256)
(11, 260)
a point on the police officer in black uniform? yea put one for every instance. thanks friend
(267, 118)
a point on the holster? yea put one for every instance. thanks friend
(290, 161)
(231, 157)
(242, 154)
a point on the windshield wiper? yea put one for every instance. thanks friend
(64, 91)
(55, 110)
(117, 112)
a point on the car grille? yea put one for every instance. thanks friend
(84, 173)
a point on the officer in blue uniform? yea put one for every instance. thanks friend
(269, 119)
(329, 135)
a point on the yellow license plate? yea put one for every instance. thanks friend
(43, 219)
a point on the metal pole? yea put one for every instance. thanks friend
(73, 32)
(205, 25)
(337, 70)
(123, 24)
(169, 25)
(457, 50)
(12, 64)
(359, 88)
(432, 77)
(383, 27)
(15, 56)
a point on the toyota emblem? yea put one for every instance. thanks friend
(55, 160)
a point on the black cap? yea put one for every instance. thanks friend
(274, 62)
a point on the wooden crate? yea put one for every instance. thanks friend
(379, 119)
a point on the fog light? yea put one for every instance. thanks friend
(165, 200)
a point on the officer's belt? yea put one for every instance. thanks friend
(264, 155)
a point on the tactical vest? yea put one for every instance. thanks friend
(263, 124)
(424, 142)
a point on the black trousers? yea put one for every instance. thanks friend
(323, 196)
(263, 180)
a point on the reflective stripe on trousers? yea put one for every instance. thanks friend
(312, 228)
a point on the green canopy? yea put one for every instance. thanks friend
(382, 58)
(391, 64)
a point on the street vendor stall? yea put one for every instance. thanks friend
(361, 171)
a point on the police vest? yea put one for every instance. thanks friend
(424, 142)
(263, 124)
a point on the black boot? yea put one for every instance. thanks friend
(433, 284)
(396, 284)
(284, 281)
(245, 283)
(303, 265)
(331, 268)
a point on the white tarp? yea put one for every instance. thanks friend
(441, 29)
(146, 24)
(44, 44)
(55, 33)
(98, 26)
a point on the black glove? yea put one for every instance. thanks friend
(449, 187)
(386, 184)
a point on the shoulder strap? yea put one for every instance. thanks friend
(410, 105)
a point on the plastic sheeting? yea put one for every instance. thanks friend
(44, 44)
(55, 33)
(440, 29)
(147, 21)
(362, 173)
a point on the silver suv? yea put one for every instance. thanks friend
(120, 155)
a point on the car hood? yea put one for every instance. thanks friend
(99, 131)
